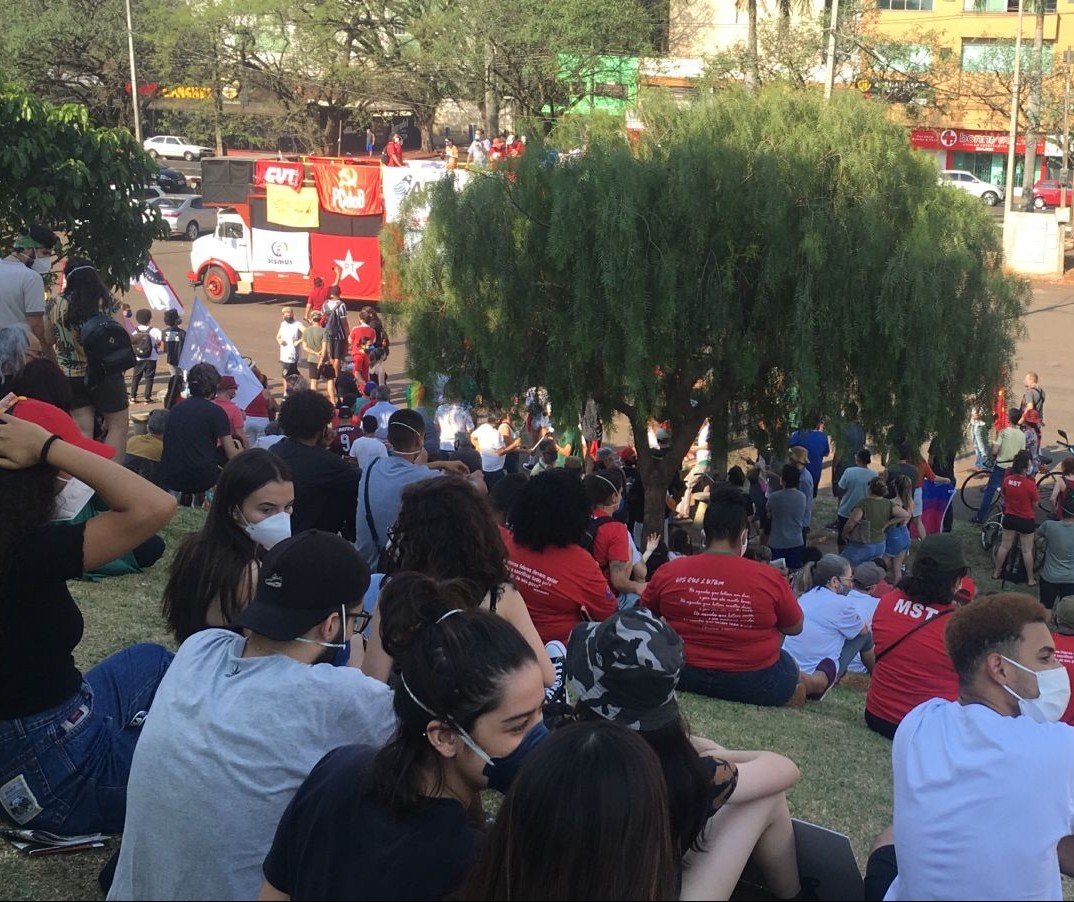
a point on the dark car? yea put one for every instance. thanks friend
(171, 180)
(1048, 193)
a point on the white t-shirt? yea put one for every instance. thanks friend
(289, 333)
(829, 621)
(383, 411)
(22, 291)
(226, 744)
(365, 449)
(981, 801)
(865, 605)
(452, 419)
(489, 441)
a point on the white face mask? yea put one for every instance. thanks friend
(745, 543)
(1053, 687)
(341, 644)
(42, 265)
(270, 531)
(74, 496)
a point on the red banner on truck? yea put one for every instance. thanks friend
(349, 189)
(276, 172)
(355, 260)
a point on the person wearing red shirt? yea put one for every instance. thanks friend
(732, 615)
(360, 356)
(226, 390)
(317, 297)
(912, 665)
(608, 539)
(1020, 497)
(393, 150)
(557, 578)
(1063, 635)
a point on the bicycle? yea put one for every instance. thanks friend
(973, 487)
(1047, 480)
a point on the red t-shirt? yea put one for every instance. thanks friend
(234, 415)
(612, 543)
(361, 365)
(1064, 653)
(394, 152)
(561, 587)
(346, 433)
(317, 297)
(1020, 496)
(729, 611)
(918, 669)
(359, 332)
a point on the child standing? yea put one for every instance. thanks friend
(147, 342)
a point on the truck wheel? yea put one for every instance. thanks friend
(217, 286)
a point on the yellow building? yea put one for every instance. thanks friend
(963, 50)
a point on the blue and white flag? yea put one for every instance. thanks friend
(206, 342)
(158, 291)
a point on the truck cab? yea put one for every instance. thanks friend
(220, 262)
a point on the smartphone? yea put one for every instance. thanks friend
(8, 401)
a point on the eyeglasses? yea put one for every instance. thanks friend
(361, 621)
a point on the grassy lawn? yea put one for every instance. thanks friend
(846, 768)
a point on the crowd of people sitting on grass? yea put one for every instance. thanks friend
(389, 610)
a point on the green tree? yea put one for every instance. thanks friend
(58, 169)
(768, 252)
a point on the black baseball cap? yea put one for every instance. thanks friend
(302, 580)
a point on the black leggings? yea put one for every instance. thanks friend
(878, 725)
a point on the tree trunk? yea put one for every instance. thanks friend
(423, 119)
(1036, 82)
(752, 77)
(492, 94)
(719, 441)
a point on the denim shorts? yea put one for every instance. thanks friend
(857, 553)
(896, 540)
(770, 687)
(66, 769)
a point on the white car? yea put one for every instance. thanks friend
(968, 182)
(171, 147)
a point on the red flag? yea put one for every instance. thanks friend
(355, 260)
(349, 189)
(275, 172)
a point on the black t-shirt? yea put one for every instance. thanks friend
(40, 624)
(173, 344)
(335, 842)
(194, 428)
(326, 488)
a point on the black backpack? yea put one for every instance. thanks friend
(589, 537)
(142, 343)
(107, 345)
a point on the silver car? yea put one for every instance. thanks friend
(185, 214)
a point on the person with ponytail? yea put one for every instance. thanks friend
(398, 823)
(214, 573)
(897, 537)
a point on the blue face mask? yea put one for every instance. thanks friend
(501, 771)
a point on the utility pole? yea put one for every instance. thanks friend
(829, 78)
(1012, 136)
(1064, 175)
(134, 76)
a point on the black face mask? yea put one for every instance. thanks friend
(288, 319)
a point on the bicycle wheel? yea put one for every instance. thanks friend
(972, 490)
(991, 533)
(1045, 485)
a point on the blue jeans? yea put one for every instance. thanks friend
(858, 553)
(771, 687)
(980, 443)
(66, 769)
(995, 480)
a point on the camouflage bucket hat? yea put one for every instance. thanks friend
(626, 668)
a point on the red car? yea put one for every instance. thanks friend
(1046, 193)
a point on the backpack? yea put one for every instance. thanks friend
(142, 344)
(589, 537)
(107, 346)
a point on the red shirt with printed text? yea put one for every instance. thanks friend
(1020, 496)
(728, 610)
(918, 669)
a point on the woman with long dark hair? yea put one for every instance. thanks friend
(726, 807)
(66, 739)
(431, 510)
(468, 700)
(84, 296)
(586, 819)
(214, 573)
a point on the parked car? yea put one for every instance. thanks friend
(172, 147)
(1047, 193)
(968, 182)
(186, 215)
(171, 180)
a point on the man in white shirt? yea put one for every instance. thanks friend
(22, 288)
(489, 441)
(382, 410)
(287, 337)
(478, 151)
(367, 447)
(984, 786)
(453, 417)
(238, 723)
